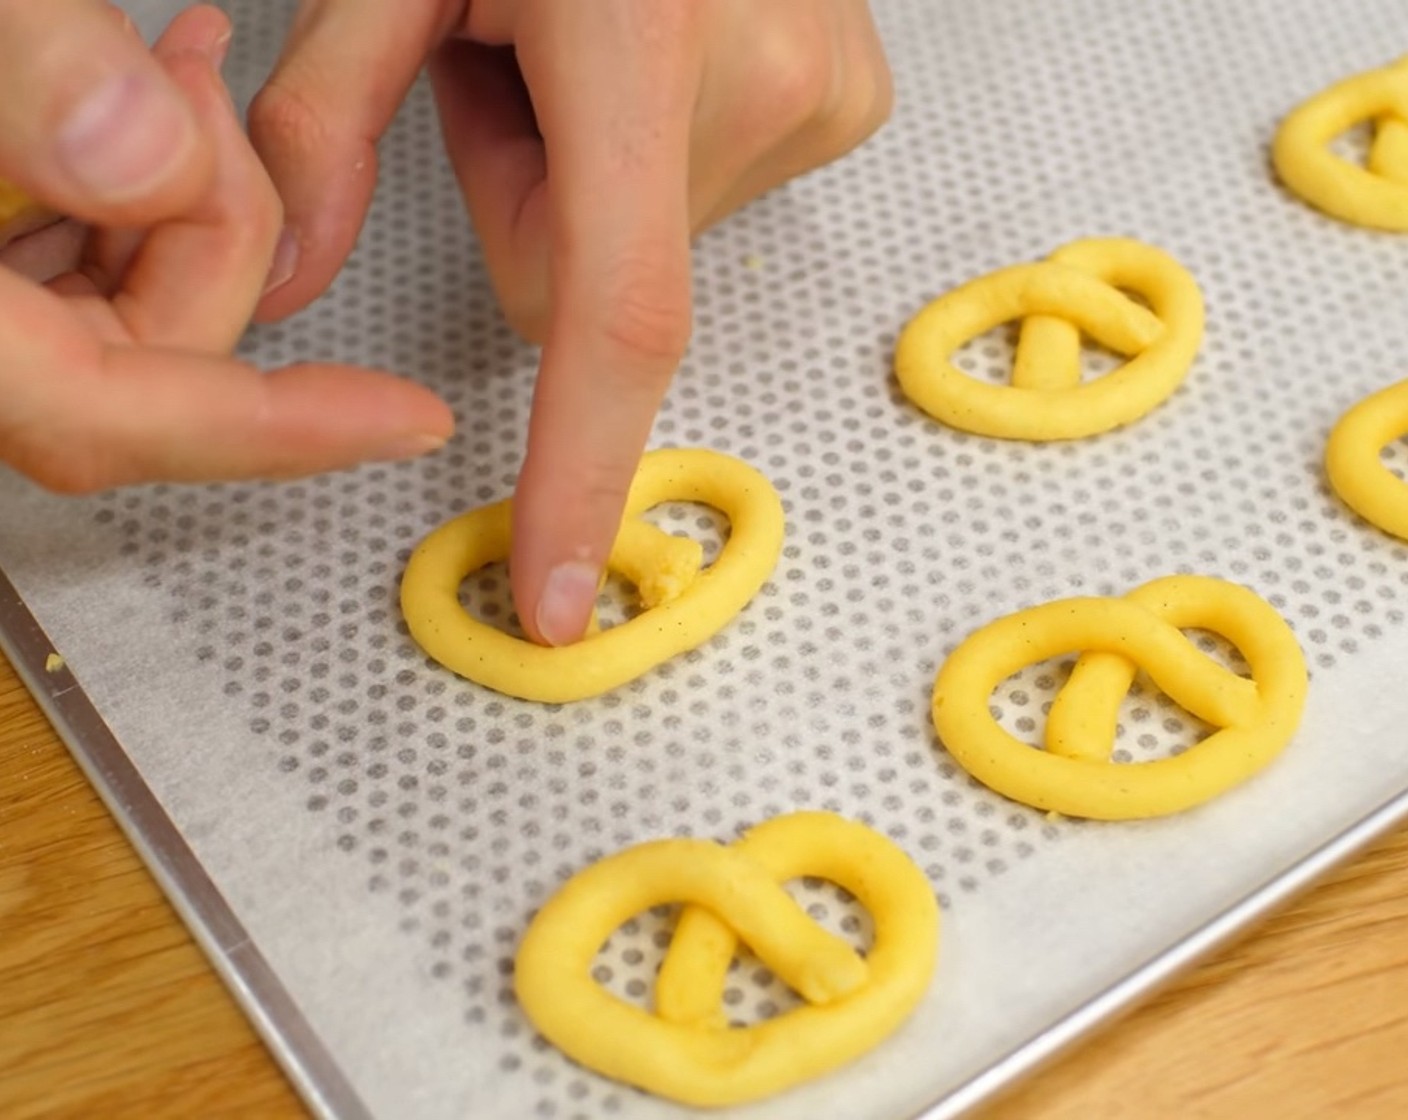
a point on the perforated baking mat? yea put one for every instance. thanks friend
(359, 837)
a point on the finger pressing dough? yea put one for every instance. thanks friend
(685, 604)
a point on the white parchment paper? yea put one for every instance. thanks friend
(383, 829)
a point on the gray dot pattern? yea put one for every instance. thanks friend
(1012, 136)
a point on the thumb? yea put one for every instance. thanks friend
(90, 124)
(613, 85)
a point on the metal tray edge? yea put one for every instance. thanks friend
(235, 958)
(1124, 995)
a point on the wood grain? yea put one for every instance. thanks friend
(107, 1008)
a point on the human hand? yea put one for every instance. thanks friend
(588, 154)
(90, 121)
(117, 371)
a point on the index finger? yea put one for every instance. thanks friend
(613, 85)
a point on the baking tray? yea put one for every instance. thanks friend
(358, 838)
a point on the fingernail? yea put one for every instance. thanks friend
(220, 49)
(285, 262)
(567, 601)
(407, 447)
(124, 137)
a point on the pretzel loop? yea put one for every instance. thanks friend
(686, 1051)
(1079, 289)
(1375, 195)
(685, 604)
(1354, 467)
(1075, 774)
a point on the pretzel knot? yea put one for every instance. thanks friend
(1375, 195)
(1075, 774)
(685, 604)
(1076, 290)
(686, 1051)
(1354, 467)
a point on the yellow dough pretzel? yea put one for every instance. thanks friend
(686, 1051)
(1075, 774)
(1353, 465)
(19, 214)
(1077, 289)
(686, 605)
(1375, 195)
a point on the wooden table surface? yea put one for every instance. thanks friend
(108, 1009)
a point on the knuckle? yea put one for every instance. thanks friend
(882, 104)
(255, 209)
(65, 455)
(527, 319)
(858, 113)
(850, 127)
(71, 483)
(70, 473)
(283, 119)
(647, 311)
(602, 489)
(264, 218)
(522, 295)
(797, 82)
